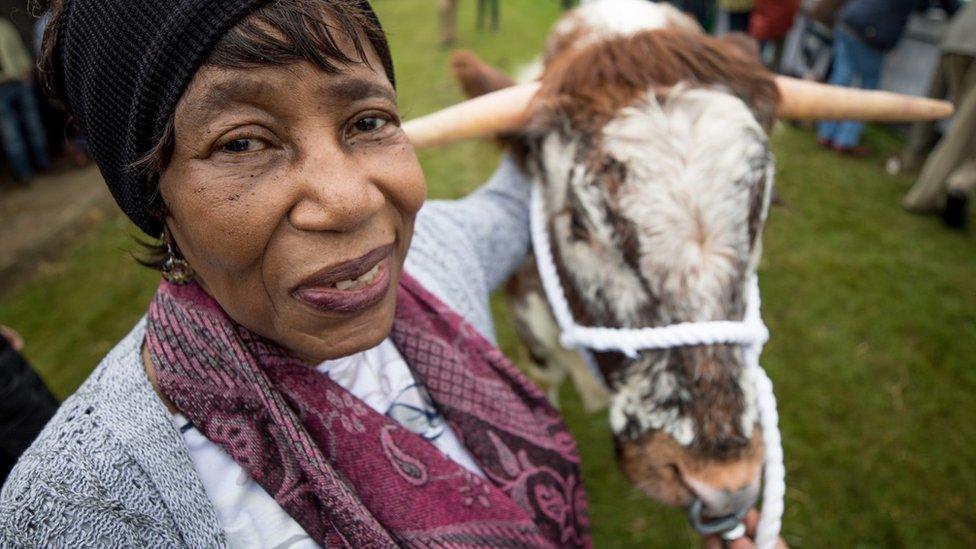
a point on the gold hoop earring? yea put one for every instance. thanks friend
(175, 268)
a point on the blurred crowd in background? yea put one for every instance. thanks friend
(900, 45)
(33, 132)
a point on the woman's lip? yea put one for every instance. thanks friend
(349, 270)
(319, 292)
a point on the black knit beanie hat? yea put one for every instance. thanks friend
(122, 65)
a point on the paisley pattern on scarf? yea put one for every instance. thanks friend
(351, 476)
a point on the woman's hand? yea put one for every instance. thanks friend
(747, 541)
(13, 337)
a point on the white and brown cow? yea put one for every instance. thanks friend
(650, 141)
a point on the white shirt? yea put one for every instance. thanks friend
(379, 377)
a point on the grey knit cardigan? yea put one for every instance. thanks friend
(110, 469)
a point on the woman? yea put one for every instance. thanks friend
(738, 12)
(299, 379)
(281, 389)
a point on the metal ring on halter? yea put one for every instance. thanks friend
(734, 534)
(711, 526)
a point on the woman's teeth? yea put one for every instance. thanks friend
(359, 283)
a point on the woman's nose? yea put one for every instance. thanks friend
(336, 201)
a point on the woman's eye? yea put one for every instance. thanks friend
(370, 124)
(243, 145)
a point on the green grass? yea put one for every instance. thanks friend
(81, 305)
(872, 313)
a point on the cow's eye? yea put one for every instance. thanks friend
(577, 227)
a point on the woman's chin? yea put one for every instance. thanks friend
(347, 336)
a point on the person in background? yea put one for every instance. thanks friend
(818, 39)
(825, 12)
(811, 59)
(738, 12)
(702, 10)
(448, 16)
(948, 176)
(488, 15)
(770, 22)
(865, 31)
(21, 128)
(26, 404)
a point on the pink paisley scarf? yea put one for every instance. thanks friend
(351, 476)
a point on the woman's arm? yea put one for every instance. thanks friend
(464, 249)
(495, 221)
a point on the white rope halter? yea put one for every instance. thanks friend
(751, 333)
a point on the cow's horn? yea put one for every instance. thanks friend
(491, 114)
(507, 110)
(806, 100)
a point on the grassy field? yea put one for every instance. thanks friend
(872, 313)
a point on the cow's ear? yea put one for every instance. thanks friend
(756, 87)
(475, 76)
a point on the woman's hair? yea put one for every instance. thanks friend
(279, 33)
(284, 32)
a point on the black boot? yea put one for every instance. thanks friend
(956, 213)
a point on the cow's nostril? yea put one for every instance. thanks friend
(720, 502)
(674, 470)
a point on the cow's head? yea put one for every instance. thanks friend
(656, 219)
(650, 140)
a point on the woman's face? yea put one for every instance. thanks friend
(292, 195)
